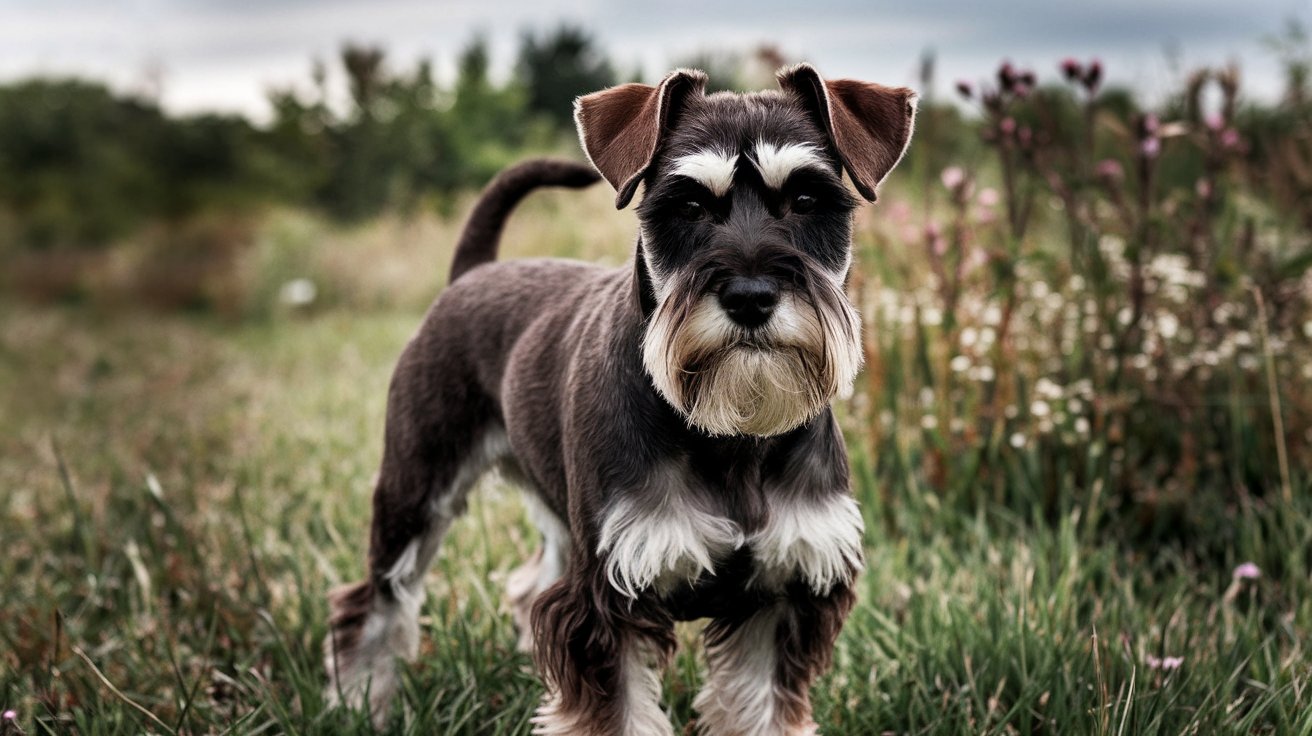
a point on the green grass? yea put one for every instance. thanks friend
(172, 580)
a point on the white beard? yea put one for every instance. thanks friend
(726, 383)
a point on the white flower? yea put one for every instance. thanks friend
(298, 292)
(960, 363)
(1017, 440)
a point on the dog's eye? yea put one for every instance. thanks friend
(691, 210)
(803, 203)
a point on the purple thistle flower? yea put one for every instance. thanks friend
(1093, 76)
(1006, 76)
(1072, 69)
(1247, 571)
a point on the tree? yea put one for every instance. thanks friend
(559, 66)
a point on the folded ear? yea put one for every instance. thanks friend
(869, 124)
(621, 127)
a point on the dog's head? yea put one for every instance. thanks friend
(746, 234)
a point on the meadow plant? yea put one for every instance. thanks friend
(1090, 320)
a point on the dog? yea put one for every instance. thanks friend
(669, 420)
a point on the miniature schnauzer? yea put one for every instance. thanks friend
(669, 420)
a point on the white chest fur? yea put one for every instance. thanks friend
(816, 541)
(675, 540)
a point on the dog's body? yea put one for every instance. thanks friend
(668, 420)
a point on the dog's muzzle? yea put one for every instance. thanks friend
(755, 355)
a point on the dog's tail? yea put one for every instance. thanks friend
(478, 242)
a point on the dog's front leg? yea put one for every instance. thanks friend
(762, 664)
(601, 659)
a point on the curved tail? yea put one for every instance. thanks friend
(482, 233)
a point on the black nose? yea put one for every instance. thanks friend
(749, 300)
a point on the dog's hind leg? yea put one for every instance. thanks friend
(429, 465)
(547, 565)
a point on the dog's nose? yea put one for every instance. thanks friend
(749, 300)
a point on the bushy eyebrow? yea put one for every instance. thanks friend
(777, 162)
(711, 168)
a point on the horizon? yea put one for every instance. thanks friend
(225, 56)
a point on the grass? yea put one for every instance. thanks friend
(179, 492)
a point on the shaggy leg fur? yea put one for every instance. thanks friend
(761, 667)
(602, 663)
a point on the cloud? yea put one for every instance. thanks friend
(224, 53)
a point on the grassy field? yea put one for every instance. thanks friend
(178, 492)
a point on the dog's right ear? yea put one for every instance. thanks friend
(621, 127)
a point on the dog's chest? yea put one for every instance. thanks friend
(688, 540)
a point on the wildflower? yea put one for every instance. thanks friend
(1072, 69)
(9, 716)
(298, 292)
(1109, 169)
(1082, 425)
(960, 364)
(964, 89)
(1165, 664)
(1006, 76)
(1039, 408)
(1007, 126)
(1214, 121)
(953, 177)
(929, 421)
(988, 197)
(1203, 188)
(1017, 440)
(1093, 76)
(1230, 139)
(1150, 147)
(1247, 571)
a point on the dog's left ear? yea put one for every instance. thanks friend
(870, 124)
(621, 127)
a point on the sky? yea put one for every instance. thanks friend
(225, 55)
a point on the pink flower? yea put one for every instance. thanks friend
(1230, 138)
(1007, 126)
(1165, 664)
(1072, 69)
(1109, 168)
(953, 177)
(1093, 76)
(1214, 121)
(1150, 147)
(988, 197)
(1204, 188)
(1247, 571)
(9, 715)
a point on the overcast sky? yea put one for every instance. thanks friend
(225, 54)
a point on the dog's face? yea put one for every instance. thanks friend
(746, 235)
